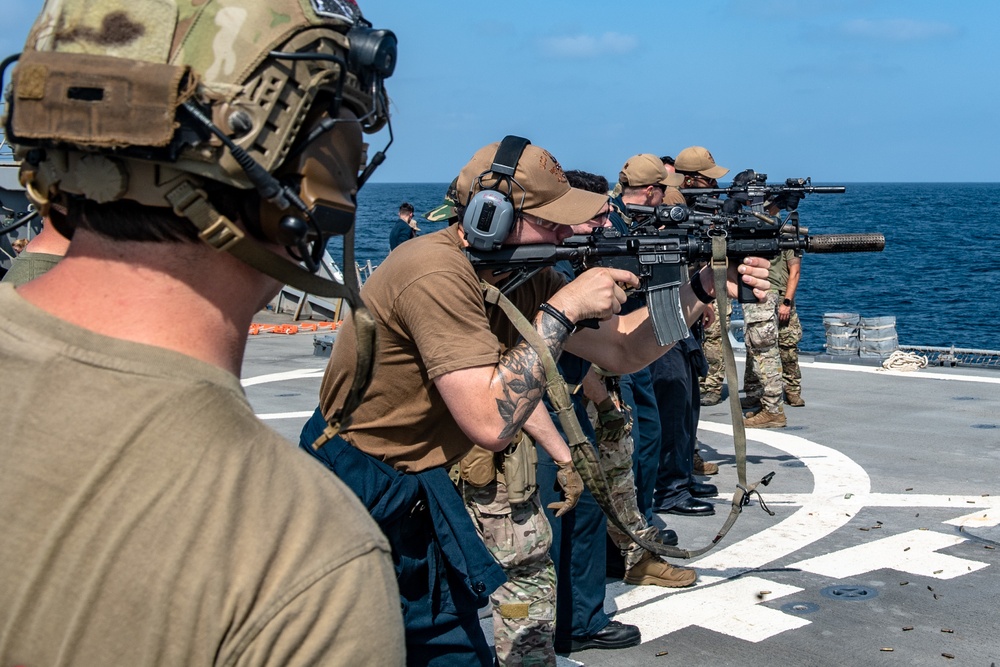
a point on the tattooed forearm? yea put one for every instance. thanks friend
(520, 377)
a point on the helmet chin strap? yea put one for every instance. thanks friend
(223, 234)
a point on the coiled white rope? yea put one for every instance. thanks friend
(904, 361)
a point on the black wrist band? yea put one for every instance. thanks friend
(558, 315)
(699, 289)
(787, 302)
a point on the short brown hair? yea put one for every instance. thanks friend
(127, 220)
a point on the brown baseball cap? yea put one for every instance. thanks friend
(697, 160)
(547, 194)
(646, 169)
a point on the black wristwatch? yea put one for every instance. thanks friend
(786, 302)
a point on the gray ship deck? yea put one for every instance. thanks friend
(881, 552)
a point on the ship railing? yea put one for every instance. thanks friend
(956, 356)
(365, 271)
(302, 305)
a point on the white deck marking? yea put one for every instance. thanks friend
(732, 608)
(842, 488)
(286, 415)
(878, 370)
(985, 505)
(921, 374)
(822, 512)
(912, 552)
(298, 374)
(978, 519)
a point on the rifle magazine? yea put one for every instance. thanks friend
(665, 313)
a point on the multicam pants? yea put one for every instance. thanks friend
(762, 375)
(712, 349)
(789, 335)
(616, 463)
(524, 608)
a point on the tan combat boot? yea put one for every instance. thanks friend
(795, 400)
(701, 467)
(651, 571)
(764, 419)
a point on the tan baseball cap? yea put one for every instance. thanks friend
(547, 194)
(697, 159)
(646, 169)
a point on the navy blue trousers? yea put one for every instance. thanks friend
(637, 392)
(675, 385)
(441, 619)
(578, 544)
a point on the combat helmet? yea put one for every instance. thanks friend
(152, 100)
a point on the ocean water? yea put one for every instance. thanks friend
(939, 274)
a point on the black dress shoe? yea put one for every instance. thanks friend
(614, 635)
(667, 537)
(699, 490)
(689, 507)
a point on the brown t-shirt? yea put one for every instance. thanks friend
(673, 197)
(147, 517)
(432, 320)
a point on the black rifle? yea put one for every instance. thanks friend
(752, 189)
(660, 257)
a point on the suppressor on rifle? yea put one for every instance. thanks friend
(822, 243)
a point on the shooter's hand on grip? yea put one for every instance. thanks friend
(594, 294)
(746, 281)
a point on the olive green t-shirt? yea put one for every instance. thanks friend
(432, 320)
(28, 266)
(778, 273)
(148, 517)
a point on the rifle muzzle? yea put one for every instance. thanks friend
(828, 243)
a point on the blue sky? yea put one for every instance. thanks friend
(840, 90)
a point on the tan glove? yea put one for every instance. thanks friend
(613, 423)
(572, 487)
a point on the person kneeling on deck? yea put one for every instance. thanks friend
(452, 372)
(149, 517)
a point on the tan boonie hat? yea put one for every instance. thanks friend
(547, 194)
(445, 211)
(697, 160)
(646, 169)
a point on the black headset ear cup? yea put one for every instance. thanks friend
(488, 219)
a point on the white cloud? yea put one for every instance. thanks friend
(589, 46)
(898, 30)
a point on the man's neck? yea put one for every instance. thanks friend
(183, 297)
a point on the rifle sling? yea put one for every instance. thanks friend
(584, 457)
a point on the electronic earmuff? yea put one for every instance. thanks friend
(491, 213)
